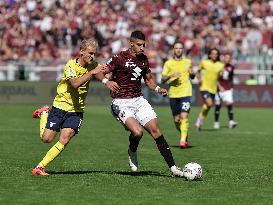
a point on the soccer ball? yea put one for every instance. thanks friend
(192, 171)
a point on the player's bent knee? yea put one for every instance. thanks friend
(137, 133)
(209, 104)
(229, 103)
(48, 136)
(184, 115)
(155, 132)
(46, 139)
(65, 139)
(177, 119)
(66, 135)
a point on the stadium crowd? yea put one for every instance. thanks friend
(47, 32)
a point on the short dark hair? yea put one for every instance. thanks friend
(138, 35)
(218, 53)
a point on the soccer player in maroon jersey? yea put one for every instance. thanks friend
(225, 93)
(128, 105)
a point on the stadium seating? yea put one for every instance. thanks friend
(47, 32)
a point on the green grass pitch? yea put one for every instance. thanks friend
(237, 163)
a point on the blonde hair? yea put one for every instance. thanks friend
(88, 42)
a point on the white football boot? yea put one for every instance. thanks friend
(216, 125)
(232, 124)
(133, 164)
(176, 171)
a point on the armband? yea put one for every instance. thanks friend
(104, 81)
(157, 88)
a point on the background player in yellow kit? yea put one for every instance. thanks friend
(66, 114)
(208, 75)
(177, 72)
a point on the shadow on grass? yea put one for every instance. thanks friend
(208, 130)
(143, 173)
(212, 129)
(178, 147)
(124, 173)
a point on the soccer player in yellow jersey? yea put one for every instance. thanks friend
(208, 75)
(177, 72)
(66, 115)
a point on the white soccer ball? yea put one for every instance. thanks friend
(192, 171)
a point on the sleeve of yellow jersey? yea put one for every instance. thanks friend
(69, 71)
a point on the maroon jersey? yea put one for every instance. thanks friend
(127, 71)
(226, 80)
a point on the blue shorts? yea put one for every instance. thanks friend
(206, 94)
(59, 119)
(179, 105)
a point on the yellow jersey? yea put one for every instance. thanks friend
(210, 74)
(181, 86)
(68, 98)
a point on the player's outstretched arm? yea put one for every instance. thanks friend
(77, 82)
(149, 81)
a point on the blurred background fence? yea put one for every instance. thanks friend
(43, 92)
(260, 67)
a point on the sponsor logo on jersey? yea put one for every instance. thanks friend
(130, 64)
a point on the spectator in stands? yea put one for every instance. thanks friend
(251, 80)
(50, 29)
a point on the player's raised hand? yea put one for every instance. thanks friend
(99, 68)
(113, 86)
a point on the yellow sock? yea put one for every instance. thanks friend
(52, 154)
(43, 120)
(184, 126)
(204, 111)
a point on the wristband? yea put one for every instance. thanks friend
(157, 88)
(104, 81)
